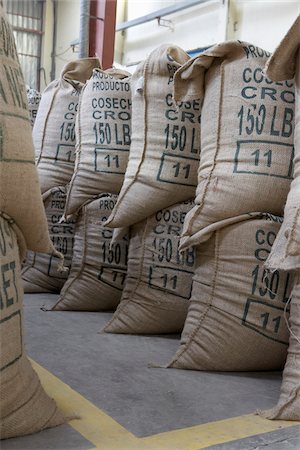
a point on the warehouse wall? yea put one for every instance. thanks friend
(47, 45)
(262, 22)
(68, 18)
(67, 31)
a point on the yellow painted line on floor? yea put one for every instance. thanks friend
(107, 434)
(96, 426)
(213, 433)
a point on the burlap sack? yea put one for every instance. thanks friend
(288, 407)
(43, 273)
(247, 126)
(98, 271)
(33, 99)
(164, 151)
(54, 128)
(285, 64)
(103, 133)
(159, 279)
(235, 319)
(25, 407)
(19, 189)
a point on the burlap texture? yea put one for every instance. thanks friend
(247, 125)
(42, 273)
(159, 279)
(54, 128)
(24, 406)
(235, 319)
(19, 187)
(285, 64)
(282, 65)
(164, 152)
(288, 407)
(33, 99)
(98, 271)
(103, 133)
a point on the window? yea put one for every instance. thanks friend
(26, 18)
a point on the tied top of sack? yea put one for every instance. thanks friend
(247, 135)
(194, 70)
(282, 64)
(74, 73)
(163, 61)
(156, 61)
(165, 141)
(115, 73)
(103, 137)
(54, 127)
(79, 71)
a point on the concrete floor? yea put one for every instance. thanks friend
(112, 372)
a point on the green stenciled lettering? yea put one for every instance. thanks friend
(190, 257)
(273, 131)
(126, 134)
(265, 318)
(260, 237)
(9, 48)
(268, 155)
(2, 241)
(277, 322)
(287, 123)
(260, 119)
(14, 77)
(286, 292)
(2, 93)
(5, 269)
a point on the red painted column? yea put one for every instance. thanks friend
(102, 30)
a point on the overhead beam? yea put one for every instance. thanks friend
(161, 13)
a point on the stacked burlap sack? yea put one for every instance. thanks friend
(102, 133)
(33, 99)
(158, 285)
(159, 182)
(108, 143)
(285, 254)
(98, 270)
(25, 407)
(44, 273)
(236, 317)
(54, 140)
(164, 151)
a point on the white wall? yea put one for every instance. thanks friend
(198, 26)
(261, 22)
(68, 18)
(47, 45)
(67, 31)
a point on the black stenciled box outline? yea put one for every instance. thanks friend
(59, 159)
(159, 178)
(152, 286)
(98, 150)
(255, 328)
(236, 159)
(112, 269)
